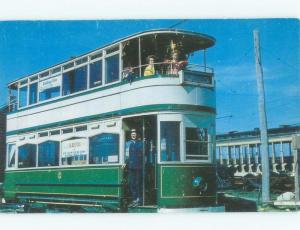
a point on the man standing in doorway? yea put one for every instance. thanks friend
(135, 165)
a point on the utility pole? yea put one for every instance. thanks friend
(296, 151)
(262, 121)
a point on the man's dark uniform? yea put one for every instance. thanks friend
(135, 164)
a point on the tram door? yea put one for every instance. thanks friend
(146, 129)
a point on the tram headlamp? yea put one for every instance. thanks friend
(198, 182)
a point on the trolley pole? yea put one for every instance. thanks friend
(262, 121)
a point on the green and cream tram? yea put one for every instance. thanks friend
(68, 126)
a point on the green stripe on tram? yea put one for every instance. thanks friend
(138, 109)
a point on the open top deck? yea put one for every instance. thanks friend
(111, 64)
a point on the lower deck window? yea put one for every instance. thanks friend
(74, 151)
(196, 143)
(27, 156)
(48, 153)
(170, 140)
(104, 149)
(11, 155)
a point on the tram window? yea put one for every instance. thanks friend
(112, 49)
(43, 134)
(11, 155)
(45, 74)
(68, 130)
(23, 96)
(34, 78)
(81, 128)
(81, 61)
(32, 93)
(75, 80)
(48, 153)
(104, 148)
(112, 68)
(24, 82)
(27, 156)
(95, 74)
(97, 55)
(170, 140)
(197, 144)
(49, 88)
(68, 66)
(54, 132)
(56, 70)
(74, 151)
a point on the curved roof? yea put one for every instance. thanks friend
(193, 41)
(201, 41)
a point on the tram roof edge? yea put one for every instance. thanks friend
(211, 41)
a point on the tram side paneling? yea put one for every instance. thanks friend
(86, 185)
(177, 188)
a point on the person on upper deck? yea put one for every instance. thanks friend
(176, 65)
(150, 69)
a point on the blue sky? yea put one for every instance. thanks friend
(29, 46)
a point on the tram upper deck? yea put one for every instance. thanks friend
(115, 80)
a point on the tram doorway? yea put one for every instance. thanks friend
(146, 129)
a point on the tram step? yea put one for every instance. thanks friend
(143, 209)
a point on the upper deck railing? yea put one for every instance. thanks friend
(163, 68)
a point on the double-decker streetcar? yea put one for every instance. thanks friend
(69, 127)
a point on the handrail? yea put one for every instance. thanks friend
(165, 68)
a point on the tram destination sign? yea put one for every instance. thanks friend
(74, 147)
(196, 78)
(49, 83)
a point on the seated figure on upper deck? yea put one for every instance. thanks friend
(150, 69)
(175, 65)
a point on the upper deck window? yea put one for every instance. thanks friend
(23, 96)
(33, 93)
(45, 74)
(68, 66)
(75, 80)
(24, 82)
(49, 88)
(96, 74)
(112, 50)
(34, 78)
(97, 55)
(81, 61)
(56, 70)
(112, 68)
